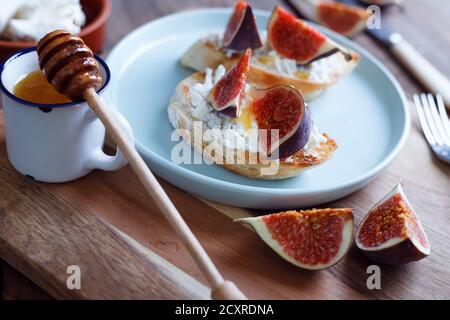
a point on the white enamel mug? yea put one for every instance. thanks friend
(54, 143)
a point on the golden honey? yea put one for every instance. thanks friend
(246, 117)
(35, 88)
(267, 60)
(302, 75)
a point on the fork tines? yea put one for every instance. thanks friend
(433, 118)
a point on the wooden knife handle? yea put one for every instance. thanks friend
(422, 69)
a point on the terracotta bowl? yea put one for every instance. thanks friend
(93, 33)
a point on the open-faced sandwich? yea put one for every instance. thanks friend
(258, 133)
(290, 53)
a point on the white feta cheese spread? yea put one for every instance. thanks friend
(286, 67)
(315, 139)
(231, 132)
(323, 70)
(33, 19)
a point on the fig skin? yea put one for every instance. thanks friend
(246, 35)
(231, 112)
(402, 253)
(300, 138)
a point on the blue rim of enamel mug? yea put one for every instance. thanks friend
(20, 53)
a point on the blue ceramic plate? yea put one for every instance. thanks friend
(366, 113)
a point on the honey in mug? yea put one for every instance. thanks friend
(36, 89)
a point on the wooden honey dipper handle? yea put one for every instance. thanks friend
(221, 289)
(69, 65)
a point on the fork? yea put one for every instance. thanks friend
(435, 123)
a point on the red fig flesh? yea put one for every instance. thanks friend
(282, 108)
(294, 39)
(347, 20)
(311, 239)
(242, 32)
(391, 233)
(229, 92)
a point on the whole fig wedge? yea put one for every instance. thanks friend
(242, 32)
(391, 233)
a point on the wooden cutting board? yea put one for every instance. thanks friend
(105, 224)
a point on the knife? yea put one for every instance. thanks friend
(427, 74)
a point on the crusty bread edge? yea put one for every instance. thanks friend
(299, 163)
(204, 54)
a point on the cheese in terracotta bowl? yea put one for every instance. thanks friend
(23, 22)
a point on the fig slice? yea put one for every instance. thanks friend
(228, 93)
(391, 232)
(292, 38)
(312, 239)
(344, 19)
(242, 32)
(281, 108)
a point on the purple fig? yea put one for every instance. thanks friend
(294, 39)
(342, 18)
(242, 32)
(314, 239)
(299, 139)
(391, 233)
(228, 93)
(231, 112)
(282, 108)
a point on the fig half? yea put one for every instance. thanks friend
(344, 19)
(311, 239)
(391, 233)
(242, 32)
(228, 93)
(282, 108)
(292, 38)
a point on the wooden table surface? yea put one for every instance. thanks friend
(105, 223)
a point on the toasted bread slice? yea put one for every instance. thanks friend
(320, 75)
(181, 117)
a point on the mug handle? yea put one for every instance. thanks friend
(100, 160)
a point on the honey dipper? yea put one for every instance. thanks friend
(69, 65)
